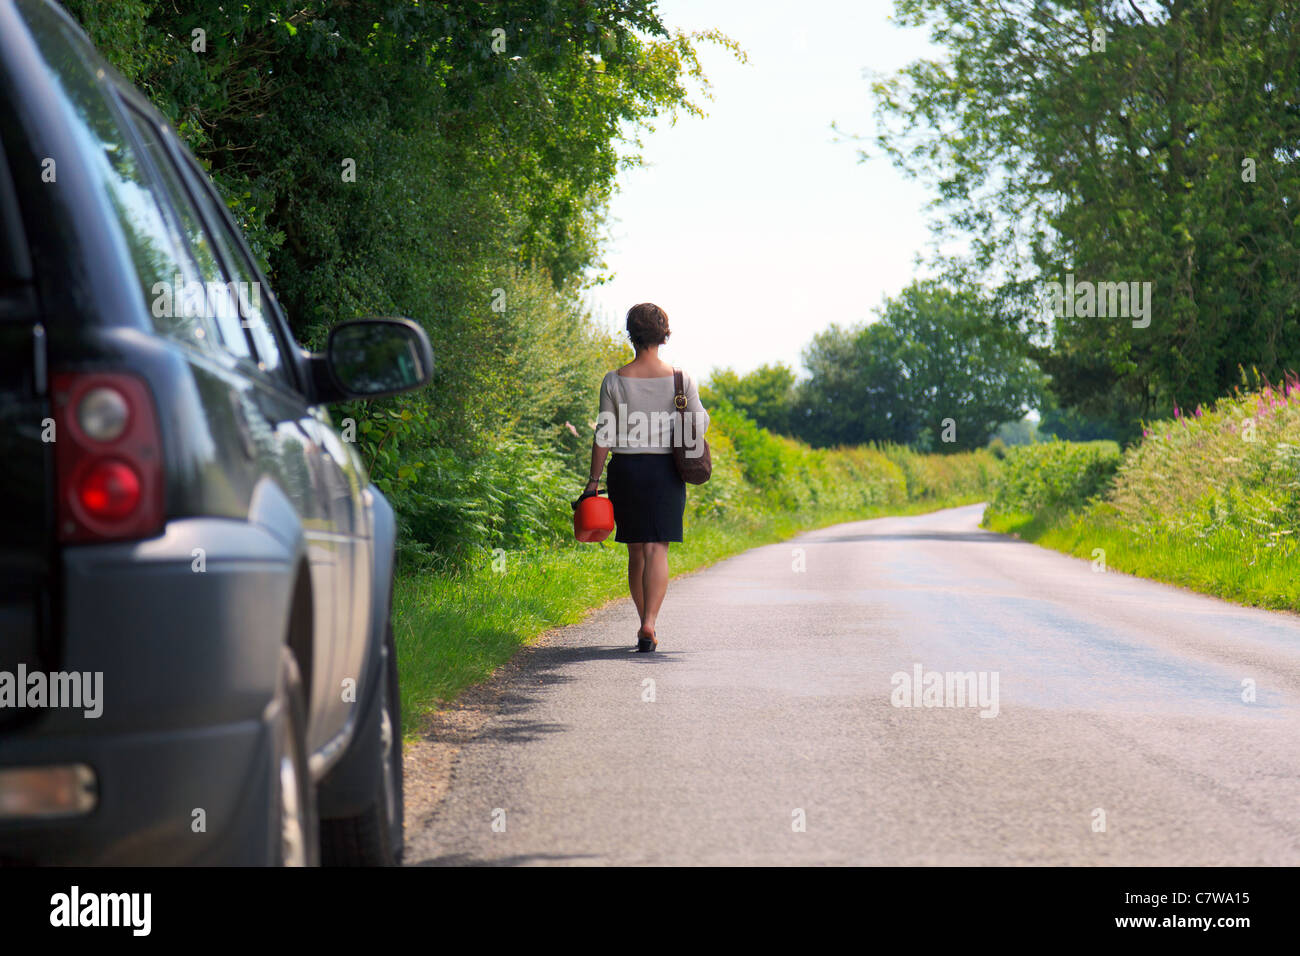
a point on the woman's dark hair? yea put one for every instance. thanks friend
(647, 324)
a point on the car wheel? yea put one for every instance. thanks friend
(374, 837)
(297, 834)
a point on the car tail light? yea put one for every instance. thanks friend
(108, 457)
(109, 490)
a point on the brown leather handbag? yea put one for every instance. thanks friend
(694, 470)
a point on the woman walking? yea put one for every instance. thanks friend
(636, 424)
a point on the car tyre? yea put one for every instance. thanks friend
(374, 837)
(296, 834)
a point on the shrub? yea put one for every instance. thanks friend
(1234, 467)
(931, 477)
(725, 493)
(1054, 476)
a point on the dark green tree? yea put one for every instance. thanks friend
(1120, 141)
(766, 394)
(447, 161)
(941, 369)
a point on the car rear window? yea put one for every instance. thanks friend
(254, 307)
(156, 246)
(222, 307)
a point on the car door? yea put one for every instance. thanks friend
(280, 433)
(334, 518)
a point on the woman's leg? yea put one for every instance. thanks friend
(635, 576)
(654, 582)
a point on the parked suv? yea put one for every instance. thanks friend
(196, 656)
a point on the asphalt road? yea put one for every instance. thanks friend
(772, 705)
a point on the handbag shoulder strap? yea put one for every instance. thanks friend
(679, 391)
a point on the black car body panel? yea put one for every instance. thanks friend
(271, 532)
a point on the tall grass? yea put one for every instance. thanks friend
(1209, 499)
(1234, 468)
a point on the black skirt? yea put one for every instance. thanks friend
(648, 495)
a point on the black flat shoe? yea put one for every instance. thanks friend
(646, 645)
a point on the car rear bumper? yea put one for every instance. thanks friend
(183, 634)
(192, 797)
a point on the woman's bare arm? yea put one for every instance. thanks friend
(598, 455)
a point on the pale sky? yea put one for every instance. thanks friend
(753, 227)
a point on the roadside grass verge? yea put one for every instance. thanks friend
(1223, 564)
(455, 630)
(1208, 500)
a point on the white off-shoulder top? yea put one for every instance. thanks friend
(637, 414)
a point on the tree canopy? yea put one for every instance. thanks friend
(940, 369)
(765, 395)
(1152, 141)
(451, 162)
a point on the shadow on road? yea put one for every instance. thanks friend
(464, 859)
(544, 660)
(985, 536)
(542, 669)
(507, 721)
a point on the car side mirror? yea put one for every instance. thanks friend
(369, 358)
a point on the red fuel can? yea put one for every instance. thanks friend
(593, 519)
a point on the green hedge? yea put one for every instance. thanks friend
(1208, 500)
(1231, 469)
(1054, 477)
(931, 477)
